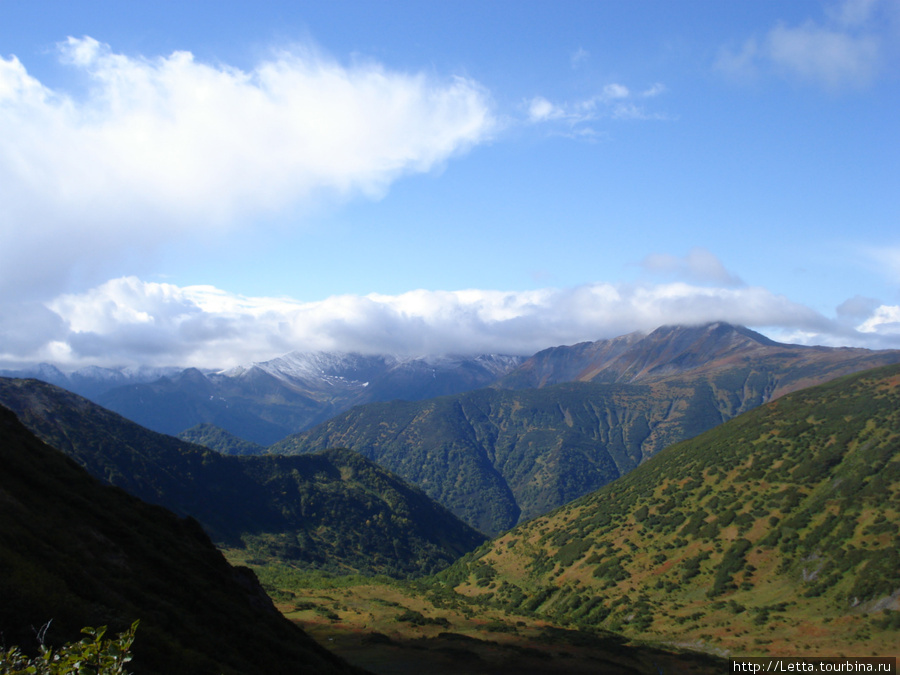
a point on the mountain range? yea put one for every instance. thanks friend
(333, 510)
(774, 527)
(495, 439)
(571, 419)
(266, 401)
(777, 532)
(90, 381)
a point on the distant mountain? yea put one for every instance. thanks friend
(254, 405)
(214, 438)
(775, 533)
(381, 377)
(266, 401)
(709, 349)
(75, 553)
(497, 457)
(90, 381)
(334, 510)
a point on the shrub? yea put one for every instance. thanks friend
(732, 563)
(572, 551)
(92, 655)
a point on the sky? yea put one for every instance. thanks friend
(215, 183)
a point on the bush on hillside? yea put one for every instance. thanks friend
(90, 656)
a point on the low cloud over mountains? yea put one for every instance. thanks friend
(129, 321)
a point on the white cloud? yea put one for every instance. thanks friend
(833, 58)
(856, 308)
(885, 320)
(159, 147)
(654, 90)
(698, 266)
(739, 64)
(846, 51)
(541, 110)
(615, 90)
(128, 321)
(854, 12)
(615, 101)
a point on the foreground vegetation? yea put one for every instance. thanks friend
(93, 655)
(777, 533)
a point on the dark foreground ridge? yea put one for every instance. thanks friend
(76, 553)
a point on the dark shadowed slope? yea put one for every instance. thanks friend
(78, 553)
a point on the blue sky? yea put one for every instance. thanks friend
(215, 183)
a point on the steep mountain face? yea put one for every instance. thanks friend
(776, 532)
(76, 553)
(267, 401)
(333, 510)
(498, 457)
(675, 351)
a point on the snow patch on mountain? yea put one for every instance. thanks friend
(357, 370)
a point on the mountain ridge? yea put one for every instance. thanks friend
(669, 351)
(266, 401)
(263, 402)
(332, 510)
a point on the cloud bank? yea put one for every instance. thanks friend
(158, 148)
(128, 321)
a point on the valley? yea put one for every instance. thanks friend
(449, 338)
(335, 510)
(395, 627)
(654, 504)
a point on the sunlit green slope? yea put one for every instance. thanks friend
(777, 532)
